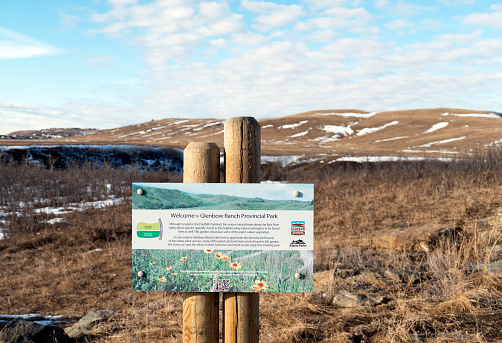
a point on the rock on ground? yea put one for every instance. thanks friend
(350, 299)
(24, 331)
(84, 326)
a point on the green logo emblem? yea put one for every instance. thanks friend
(147, 230)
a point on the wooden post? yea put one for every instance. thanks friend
(242, 141)
(201, 164)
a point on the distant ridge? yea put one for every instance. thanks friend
(331, 132)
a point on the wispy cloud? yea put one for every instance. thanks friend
(69, 19)
(272, 14)
(14, 45)
(490, 19)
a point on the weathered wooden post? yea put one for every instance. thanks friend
(201, 164)
(242, 144)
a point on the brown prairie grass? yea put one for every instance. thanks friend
(58, 269)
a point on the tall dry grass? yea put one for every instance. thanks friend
(56, 269)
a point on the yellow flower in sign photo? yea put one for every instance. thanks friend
(183, 259)
(225, 258)
(169, 267)
(235, 265)
(256, 288)
(218, 254)
(162, 279)
(208, 251)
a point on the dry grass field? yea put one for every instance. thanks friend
(83, 263)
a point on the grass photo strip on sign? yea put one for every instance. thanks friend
(192, 237)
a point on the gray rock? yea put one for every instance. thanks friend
(350, 299)
(494, 267)
(84, 326)
(24, 331)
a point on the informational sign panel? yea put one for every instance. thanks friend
(219, 237)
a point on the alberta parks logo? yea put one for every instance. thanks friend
(298, 244)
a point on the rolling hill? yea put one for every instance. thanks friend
(325, 134)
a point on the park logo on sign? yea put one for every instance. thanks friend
(150, 230)
(298, 228)
(297, 244)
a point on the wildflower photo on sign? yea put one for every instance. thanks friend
(222, 237)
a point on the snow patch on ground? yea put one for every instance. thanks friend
(55, 220)
(282, 160)
(441, 151)
(368, 130)
(344, 130)
(348, 114)
(389, 139)
(293, 126)
(441, 142)
(437, 126)
(477, 115)
(362, 159)
(57, 211)
(300, 134)
(44, 320)
(208, 125)
(497, 142)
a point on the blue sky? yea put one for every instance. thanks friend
(105, 64)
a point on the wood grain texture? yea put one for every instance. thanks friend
(242, 146)
(201, 164)
(242, 165)
(200, 317)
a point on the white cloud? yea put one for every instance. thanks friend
(15, 117)
(400, 26)
(431, 24)
(14, 45)
(492, 19)
(175, 30)
(355, 20)
(272, 14)
(116, 3)
(319, 4)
